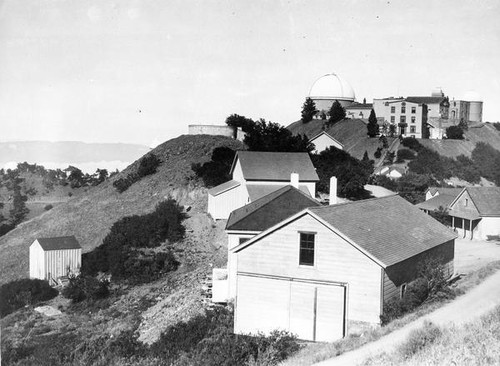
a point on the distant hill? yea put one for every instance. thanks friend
(85, 156)
(352, 133)
(90, 215)
(477, 132)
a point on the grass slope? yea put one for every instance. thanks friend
(90, 216)
(477, 132)
(352, 133)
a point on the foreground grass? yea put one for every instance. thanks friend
(475, 343)
(316, 352)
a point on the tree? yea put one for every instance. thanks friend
(441, 215)
(270, 136)
(216, 171)
(383, 140)
(392, 130)
(308, 110)
(19, 209)
(76, 177)
(237, 121)
(463, 124)
(454, 133)
(337, 113)
(372, 127)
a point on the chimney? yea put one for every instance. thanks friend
(294, 180)
(333, 190)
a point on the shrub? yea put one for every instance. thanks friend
(405, 154)
(48, 207)
(454, 133)
(419, 339)
(378, 153)
(83, 287)
(411, 143)
(216, 171)
(16, 294)
(147, 166)
(416, 293)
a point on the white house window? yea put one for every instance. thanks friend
(413, 109)
(306, 255)
(403, 109)
(412, 119)
(393, 109)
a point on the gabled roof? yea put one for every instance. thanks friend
(388, 229)
(425, 100)
(221, 188)
(275, 166)
(441, 200)
(59, 243)
(378, 191)
(444, 190)
(269, 210)
(486, 199)
(326, 134)
(257, 191)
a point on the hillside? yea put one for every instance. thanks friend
(351, 133)
(477, 132)
(89, 216)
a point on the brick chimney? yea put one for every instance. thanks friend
(333, 190)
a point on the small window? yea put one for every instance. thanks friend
(403, 290)
(403, 109)
(402, 119)
(393, 109)
(466, 202)
(412, 119)
(393, 119)
(413, 109)
(306, 255)
(412, 129)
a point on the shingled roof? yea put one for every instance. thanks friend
(275, 166)
(59, 243)
(486, 199)
(444, 190)
(270, 210)
(425, 100)
(441, 200)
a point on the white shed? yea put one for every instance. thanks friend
(323, 141)
(51, 258)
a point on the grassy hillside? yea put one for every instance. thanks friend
(90, 215)
(477, 132)
(351, 133)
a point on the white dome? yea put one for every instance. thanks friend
(471, 96)
(332, 86)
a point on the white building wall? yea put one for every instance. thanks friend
(222, 205)
(233, 240)
(488, 226)
(323, 142)
(335, 260)
(37, 262)
(57, 262)
(238, 172)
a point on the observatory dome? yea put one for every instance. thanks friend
(333, 87)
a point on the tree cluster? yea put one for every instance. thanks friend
(16, 294)
(124, 252)
(454, 133)
(83, 287)
(336, 114)
(216, 171)
(352, 174)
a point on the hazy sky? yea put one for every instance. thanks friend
(141, 71)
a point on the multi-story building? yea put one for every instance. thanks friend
(409, 117)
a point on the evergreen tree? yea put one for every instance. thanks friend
(372, 125)
(308, 110)
(337, 113)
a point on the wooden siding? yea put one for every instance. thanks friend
(407, 271)
(323, 142)
(465, 205)
(335, 260)
(57, 262)
(222, 205)
(37, 263)
(233, 240)
(238, 172)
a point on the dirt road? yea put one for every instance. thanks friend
(464, 309)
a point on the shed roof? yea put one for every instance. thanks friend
(389, 228)
(59, 243)
(270, 210)
(441, 200)
(221, 188)
(257, 191)
(275, 166)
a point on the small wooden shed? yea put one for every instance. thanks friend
(51, 258)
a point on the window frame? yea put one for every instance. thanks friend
(303, 263)
(393, 109)
(413, 110)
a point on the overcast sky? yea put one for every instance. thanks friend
(142, 71)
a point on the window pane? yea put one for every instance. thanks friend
(306, 255)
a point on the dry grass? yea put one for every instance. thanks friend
(475, 343)
(316, 352)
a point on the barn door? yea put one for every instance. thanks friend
(302, 308)
(330, 313)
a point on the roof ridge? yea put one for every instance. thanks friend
(354, 202)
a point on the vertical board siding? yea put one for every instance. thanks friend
(330, 313)
(302, 317)
(57, 262)
(220, 206)
(335, 260)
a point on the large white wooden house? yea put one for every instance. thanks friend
(323, 141)
(255, 174)
(51, 258)
(328, 271)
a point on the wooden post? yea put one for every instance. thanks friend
(471, 229)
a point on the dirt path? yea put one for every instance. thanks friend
(472, 305)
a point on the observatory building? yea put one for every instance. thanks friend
(329, 88)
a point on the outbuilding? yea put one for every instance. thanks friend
(52, 258)
(329, 271)
(323, 141)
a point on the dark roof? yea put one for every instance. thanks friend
(256, 191)
(425, 100)
(389, 228)
(58, 243)
(360, 106)
(441, 200)
(445, 190)
(223, 187)
(270, 210)
(327, 134)
(486, 199)
(275, 166)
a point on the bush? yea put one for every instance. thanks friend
(419, 339)
(48, 207)
(216, 171)
(16, 294)
(416, 293)
(411, 143)
(147, 166)
(83, 287)
(120, 253)
(405, 154)
(454, 133)
(378, 153)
